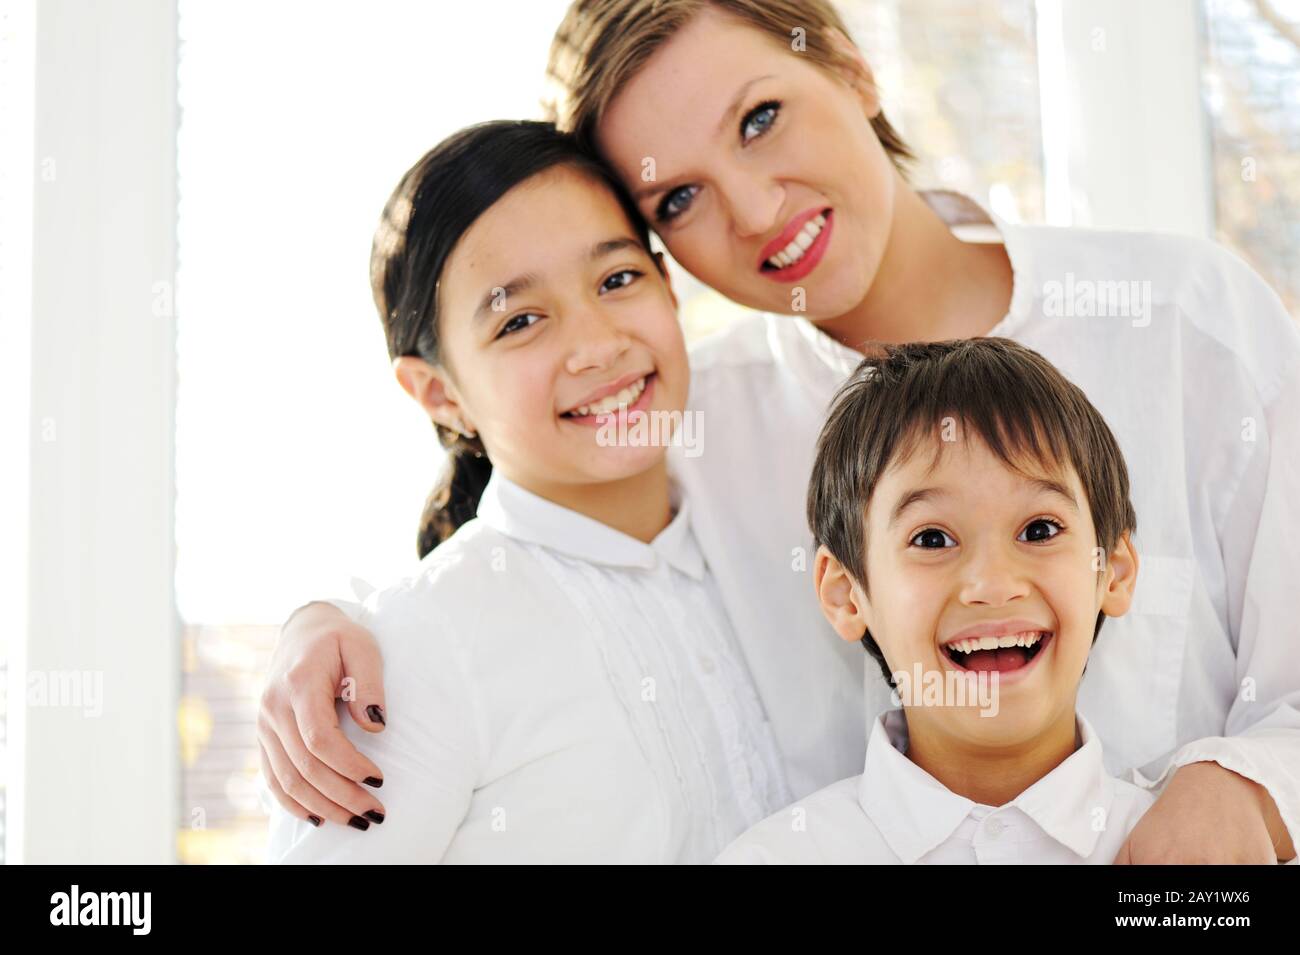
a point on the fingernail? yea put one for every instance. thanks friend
(375, 817)
(315, 820)
(356, 822)
(372, 781)
(375, 714)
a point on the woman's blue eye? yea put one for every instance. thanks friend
(759, 120)
(676, 202)
(932, 539)
(620, 280)
(518, 323)
(1041, 529)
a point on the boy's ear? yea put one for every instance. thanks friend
(662, 265)
(1121, 577)
(857, 72)
(433, 391)
(841, 599)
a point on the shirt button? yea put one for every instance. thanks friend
(995, 827)
(706, 664)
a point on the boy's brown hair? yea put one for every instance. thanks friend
(602, 44)
(1009, 395)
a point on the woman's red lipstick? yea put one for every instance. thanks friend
(811, 256)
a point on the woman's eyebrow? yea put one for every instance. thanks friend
(738, 100)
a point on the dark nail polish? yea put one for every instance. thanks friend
(372, 781)
(356, 822)
(375, 817)
(315, 820)
(375, 714)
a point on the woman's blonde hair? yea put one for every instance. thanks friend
(602, 44)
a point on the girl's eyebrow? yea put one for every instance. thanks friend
(522, 283)
(500, 293)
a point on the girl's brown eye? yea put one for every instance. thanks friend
(518, 323)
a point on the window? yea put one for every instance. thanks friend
(1252, 90)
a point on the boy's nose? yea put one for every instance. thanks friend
(993, 579)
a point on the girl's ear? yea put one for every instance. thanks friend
(1121, 578)
(434, 392)
(841, 599)
(857, 72)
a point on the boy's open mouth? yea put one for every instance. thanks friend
(1005, 653)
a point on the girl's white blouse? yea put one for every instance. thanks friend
(557, 691)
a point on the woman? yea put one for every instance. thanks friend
(737, 142)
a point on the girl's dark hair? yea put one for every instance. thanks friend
(436, 202)
(901, 397)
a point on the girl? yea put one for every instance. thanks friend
(777, 181)
(569, 686)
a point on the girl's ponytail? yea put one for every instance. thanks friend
(454, 499)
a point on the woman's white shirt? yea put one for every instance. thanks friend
(1198, 377)
(557, 691)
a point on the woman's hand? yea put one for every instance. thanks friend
(308, 763)
(1208, 815)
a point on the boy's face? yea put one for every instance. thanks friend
(974, 549)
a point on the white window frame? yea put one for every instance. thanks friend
(1126, 141)
(102, 789)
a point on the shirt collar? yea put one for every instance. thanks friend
(915, 812)
(519, 513)
(810, 352)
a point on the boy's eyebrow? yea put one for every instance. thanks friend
(1042, 485)
(913, 497)
(530, 280)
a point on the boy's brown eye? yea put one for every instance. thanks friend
(1042, 529)
(932, 538)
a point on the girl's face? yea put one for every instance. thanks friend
(755, 147)
(552, 311)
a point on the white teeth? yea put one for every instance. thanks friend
(800, 244)
(609, 403)
(971, 644)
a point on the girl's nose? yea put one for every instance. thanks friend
(597, 343)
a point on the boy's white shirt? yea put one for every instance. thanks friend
(897, 813)
(1203, 394)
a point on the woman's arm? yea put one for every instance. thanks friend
(432, 754)
(1236, 797)
(310, 767)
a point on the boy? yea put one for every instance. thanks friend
(971, 514)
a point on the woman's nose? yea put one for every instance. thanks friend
(754, 200)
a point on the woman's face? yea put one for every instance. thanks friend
(749, 147)
(548, 333)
